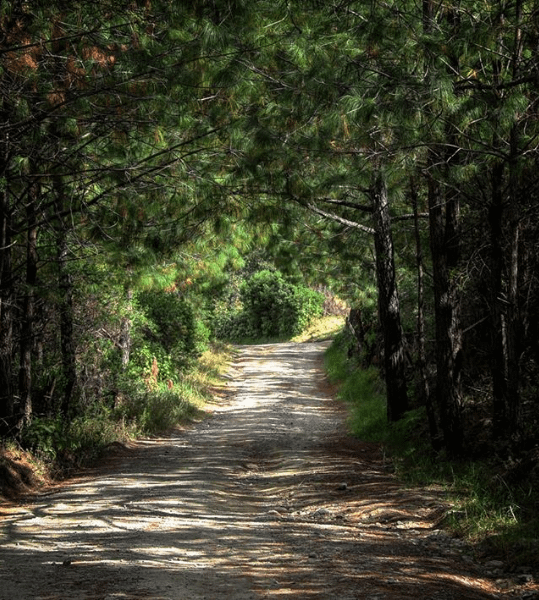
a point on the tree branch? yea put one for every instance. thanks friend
(354, 205)
(339, 219)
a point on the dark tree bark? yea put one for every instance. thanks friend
(125, 332)
(7, 295)
(6, 317)
(65, 303)
(504, 231)
(364, 348)
(498, 360)
(513, 326)
(423, 390)
(504, 224)
(28, 312)
(67, 342)
(388, 304)
(444, 243)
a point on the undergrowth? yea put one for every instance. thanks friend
(266, 306)
(499, 517)
(55, 448)
(321, 329)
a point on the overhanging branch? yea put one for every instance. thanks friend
(338, 219)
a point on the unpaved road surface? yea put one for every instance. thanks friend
(269, 498)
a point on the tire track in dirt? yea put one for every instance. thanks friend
(269, 498)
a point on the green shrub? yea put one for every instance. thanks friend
(44, 436)
(361, 389)
(81, 440)
(265, 297)
(172, 319)
(168, 334)
(233, 325)
(270, 307)
(89, 434)
(153, 410)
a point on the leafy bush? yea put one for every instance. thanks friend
(153, 410)
(45, 436)
(233, 324)
(169, 335)
(271, 307)
(361, 389)
(82, 440)
(171, 318)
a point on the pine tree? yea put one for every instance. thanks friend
(113, 142)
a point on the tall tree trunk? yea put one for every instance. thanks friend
(444, 243)
(124, 342)
(505, 313)
(125, 331)
(7, 298)
(6, 317)
(388, 304)
(498, 362)
(67, 342)
(28, 315)
(65, 305)
(513, 330)
(514, 327)
(504, 221)
(423, 390)
(513, 323)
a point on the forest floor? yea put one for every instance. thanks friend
(268, 498)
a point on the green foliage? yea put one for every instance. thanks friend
(270, 307)
(337, 364)
(137, 410)
(233, 325)
(45, 436)
(362, 392)
(170, 333)
(53, 441)
(171, 318)
(155, 409)
(361, 389)
(486, 508)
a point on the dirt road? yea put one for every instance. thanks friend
(269, 498)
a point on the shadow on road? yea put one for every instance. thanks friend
(268, 498)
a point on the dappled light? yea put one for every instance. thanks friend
(267, 498)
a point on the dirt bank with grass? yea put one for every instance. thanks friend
(267, 498)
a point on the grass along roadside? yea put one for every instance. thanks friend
(496, 515)
(49, 450)
(321, 329)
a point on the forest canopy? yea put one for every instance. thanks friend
(153, 152)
